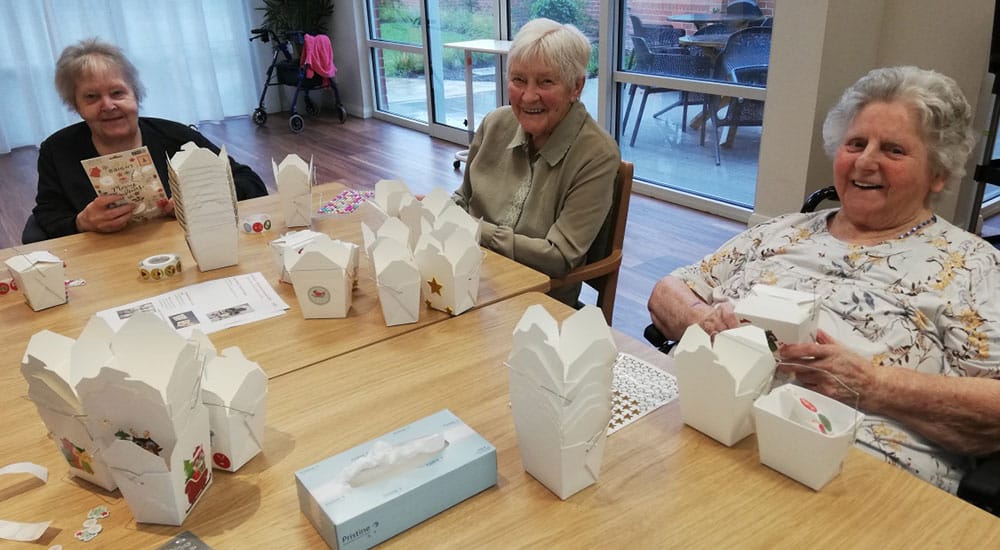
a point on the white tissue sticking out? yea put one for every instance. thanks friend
(381, 459)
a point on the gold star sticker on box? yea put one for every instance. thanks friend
(435, 286)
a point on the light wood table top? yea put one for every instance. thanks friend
(662, 484)
(109, 264)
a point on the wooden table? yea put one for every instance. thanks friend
(662, 484)
(712, 43)
(281, 344)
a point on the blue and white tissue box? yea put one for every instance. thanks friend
(368, 494)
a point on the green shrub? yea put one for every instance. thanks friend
(563, 11)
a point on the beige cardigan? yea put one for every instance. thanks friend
(572, 185)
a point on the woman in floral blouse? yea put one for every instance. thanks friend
(910, 304)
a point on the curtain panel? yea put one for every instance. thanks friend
(193, 56)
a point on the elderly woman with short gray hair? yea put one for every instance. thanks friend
(909, 308)
(541, 171)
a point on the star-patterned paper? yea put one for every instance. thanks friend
(637, 389)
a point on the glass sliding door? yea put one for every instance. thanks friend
(418, 80)
(691, 83)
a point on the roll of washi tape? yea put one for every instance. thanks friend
(257, 223)
(159, 267)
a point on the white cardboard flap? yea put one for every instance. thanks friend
(560, 392)
(398, 280)
(790, 315)
(717, 385)
(390, 194)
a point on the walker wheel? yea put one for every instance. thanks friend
(457, 164)
(312, 108)
(341, 113)
(296, 124)
(259, 116)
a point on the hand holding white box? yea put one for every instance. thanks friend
(718, 381)
(560, 396)
(790, 315)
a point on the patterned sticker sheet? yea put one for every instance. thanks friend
(346, 201)
(637, 389)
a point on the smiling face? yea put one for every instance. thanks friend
(882, 170)
(109, 107)
(539, 97)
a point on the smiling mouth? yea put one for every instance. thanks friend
(866, 185)
(532, 111)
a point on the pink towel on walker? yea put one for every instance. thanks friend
(317, 57)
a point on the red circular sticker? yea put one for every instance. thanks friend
(221, 460)
(258, 227)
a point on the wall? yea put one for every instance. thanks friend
(822, 46)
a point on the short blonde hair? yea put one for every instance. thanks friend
(564, 46)
(91, 56)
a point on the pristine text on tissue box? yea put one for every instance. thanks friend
(368, 494)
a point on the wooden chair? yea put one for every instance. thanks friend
(605, 256)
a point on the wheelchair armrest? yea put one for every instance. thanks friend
(655, 337)
(981, 485)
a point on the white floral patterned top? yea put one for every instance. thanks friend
(928, 302)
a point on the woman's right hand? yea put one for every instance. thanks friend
(721, 317)
(100, 216)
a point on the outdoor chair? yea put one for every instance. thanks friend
(658, 37)
(604, 259)
(743, 7)
(744, 60)
(682, 65)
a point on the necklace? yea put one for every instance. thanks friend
(918, 227)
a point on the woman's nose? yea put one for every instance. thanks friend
(106, 103)
(868, 159)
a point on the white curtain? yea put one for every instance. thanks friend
(194, 59)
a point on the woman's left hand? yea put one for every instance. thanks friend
(167, 206)
(827, 360)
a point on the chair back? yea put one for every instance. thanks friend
(669, 63)
(656, 36)
(749, 47)
(604, 258)
(743, 7)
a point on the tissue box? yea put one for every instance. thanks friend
(797, 450)
(387, 503)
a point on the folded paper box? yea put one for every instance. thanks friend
(560, 396)
(368, 494)
(450, 261)
(397, 277)
(789, 315)
(52, 375)
(294, 180)
(293, 240)
(796, 447)
(144, 409)
(41, 276)
(234, 389)
(323, 274)
(718, 381)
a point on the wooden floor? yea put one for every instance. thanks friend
(660, 236)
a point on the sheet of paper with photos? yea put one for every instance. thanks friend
(131, 174)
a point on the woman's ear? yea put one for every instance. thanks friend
(578, 89)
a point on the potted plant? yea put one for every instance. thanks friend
(308, 16)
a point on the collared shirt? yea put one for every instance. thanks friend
(545, 211)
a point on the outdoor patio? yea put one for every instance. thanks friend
(663, 154)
